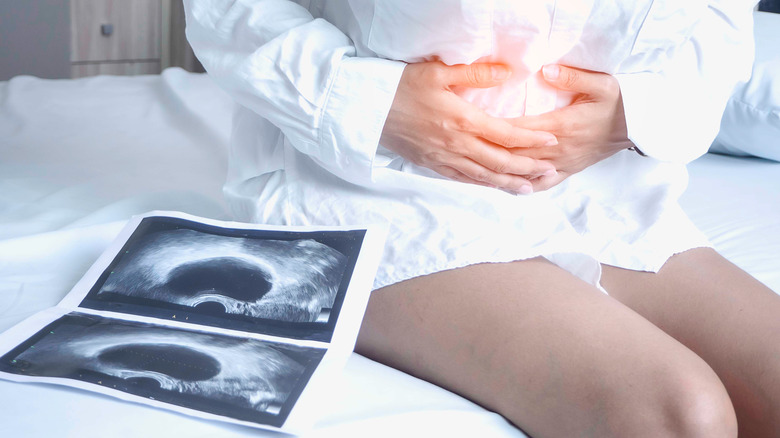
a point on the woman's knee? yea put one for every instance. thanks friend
(657, 398)
(691, 403)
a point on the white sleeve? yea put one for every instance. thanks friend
(673, 114)
(300, 73)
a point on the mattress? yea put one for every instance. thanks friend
(79, 157)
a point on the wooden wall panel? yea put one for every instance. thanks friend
(181, 54)
(136, 30)
(34, 38)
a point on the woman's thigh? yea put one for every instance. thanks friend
(548, 351)
(724, 315)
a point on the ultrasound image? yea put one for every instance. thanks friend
(294, 281)
(239, 377)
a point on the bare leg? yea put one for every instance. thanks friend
(724, 315)
(546, 350)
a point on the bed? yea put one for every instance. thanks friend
(79, 157)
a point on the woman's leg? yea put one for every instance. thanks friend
(546, 350)
(724, 315)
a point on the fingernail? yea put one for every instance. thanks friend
(552, 142)
(551, 172)
(551, 72)
(500, 73)
(525, 189)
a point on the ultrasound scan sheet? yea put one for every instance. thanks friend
(242, 323)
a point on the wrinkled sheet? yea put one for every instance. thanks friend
(79, 157)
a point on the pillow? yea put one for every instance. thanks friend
(751, 122)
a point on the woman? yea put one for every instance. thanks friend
(441, 118)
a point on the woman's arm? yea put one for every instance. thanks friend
(433, 127)
(674, 114)
(303, 75)
(300, 73)
(590, 129)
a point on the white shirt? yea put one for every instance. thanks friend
(316, 79)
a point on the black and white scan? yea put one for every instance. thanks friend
(233, 322)
(283, 280)
(241, 378)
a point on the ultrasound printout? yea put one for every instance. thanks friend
(241, 323)
(280, 283)
(247, 379)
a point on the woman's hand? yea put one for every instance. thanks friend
(431, 126)
(589, 130)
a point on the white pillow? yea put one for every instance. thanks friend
(751, 122)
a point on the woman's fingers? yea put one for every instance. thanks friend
(547, 122)
(470, 172)
(499, 160)
(455, 175)
(473, 75)
(479, 123)
(548, 181)
(585, 82)
(590, 129)
(431, 126)
(494, 166)
(500, 131)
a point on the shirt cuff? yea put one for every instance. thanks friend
(353, 118)
(662, 125)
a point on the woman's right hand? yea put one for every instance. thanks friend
(431, 126)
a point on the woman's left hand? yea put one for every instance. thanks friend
(590, 129)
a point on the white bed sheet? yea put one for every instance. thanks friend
(79, 157)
